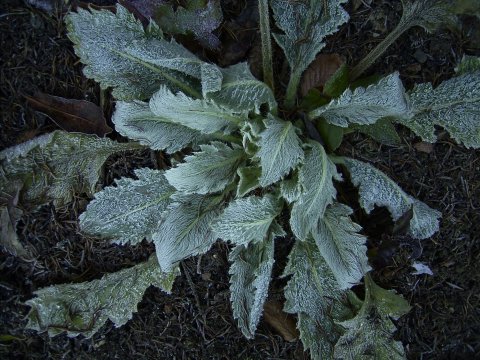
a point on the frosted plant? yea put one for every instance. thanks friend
(250, 177)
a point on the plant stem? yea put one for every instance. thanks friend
(378, 51)
(292, 90)
(266, 43)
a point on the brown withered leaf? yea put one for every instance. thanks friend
(285, 324)
(71, 115)
(10, 214)
(423, 146)
(319, 71)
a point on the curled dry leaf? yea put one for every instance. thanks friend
(319, 71)
(285, 324)
(71, 115)
(9, 216)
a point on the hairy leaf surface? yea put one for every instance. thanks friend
(118, 53)
(376, 188)
(315, 178)
(341, 245)
(453, 105)
(201, 115)
(130, 211)
(241, 91)
(185, 228)
(55, 166)
(280, 150)
(429, 14)
(291, 189)
(250, 273)
(207, 171)
(136, 121)
(247, 219)
(305, 26)
(366, 105)
(83, 308)
(313, 293)
(369, 335)
(196, 17)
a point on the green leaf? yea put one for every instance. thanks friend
(250, 273)
(382, 131)
(130, 211)
(331, 134)
(136, 121)
(453, 105)
(83, 308)
(207, 171)
(118, 53)
(429, 14)
(376, 188)
(313, 293)
(290, 189)
(56, 165)
(315, 178)
(241, 91)
(369, 335)
(469, 64)
(248, 179)
(184, 230)
(202, 115)
(280, 150)
(366, 105)
(196, 17)
(247, 219)
(341, 245)
(338, 82)
(305, 26)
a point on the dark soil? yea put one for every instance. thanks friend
(195, 321)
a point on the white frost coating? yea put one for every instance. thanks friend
(83, 308)
(454, 105)
(280, 150)
(305, 26)
(241, 91)
(315, 178)
(136, 121)
(369, 335)
(376, 188)
(366, 105)
(56, 165)
(201, 115)
(185, 229)
(118, 52)
(341, 245)
(247, 219)
(207, 171)
(130, 211)
(250, 273)
(291, 189)
(313, 294)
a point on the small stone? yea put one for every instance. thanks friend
(206, 276)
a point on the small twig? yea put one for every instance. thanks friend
(194, 291)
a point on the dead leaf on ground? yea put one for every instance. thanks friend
(285, 324)
(319, 71)
(71, 115)
(423, 147)
(9, 217)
